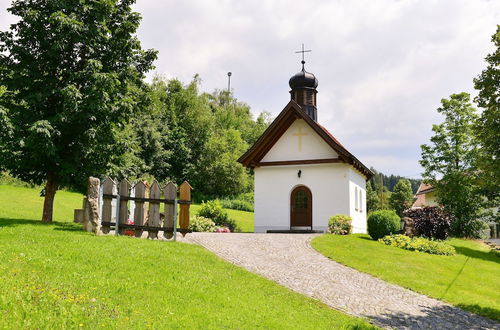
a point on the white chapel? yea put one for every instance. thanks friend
(303, 174)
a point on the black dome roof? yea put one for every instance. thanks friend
(303, 79)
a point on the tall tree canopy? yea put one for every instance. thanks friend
(488, 126)
(448, 164)
(73, 73)
(188, 135)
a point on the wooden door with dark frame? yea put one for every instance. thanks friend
(301, 207)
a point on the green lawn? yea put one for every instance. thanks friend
(470, 279)
(56, 276)
(243, 219)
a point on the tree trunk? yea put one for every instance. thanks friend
(48, 204)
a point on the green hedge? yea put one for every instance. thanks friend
(382, 223)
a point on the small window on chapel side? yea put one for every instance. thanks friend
(360, 200)
(356, 198)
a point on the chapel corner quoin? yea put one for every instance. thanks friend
(303, 174)
(135, 209)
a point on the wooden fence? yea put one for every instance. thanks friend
(138, 208)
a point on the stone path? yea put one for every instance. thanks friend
(289, 260)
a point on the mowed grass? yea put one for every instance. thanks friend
(470, 279)
(243, 219)
(56, 276)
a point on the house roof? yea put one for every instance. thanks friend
(278, 127)
(424, 189)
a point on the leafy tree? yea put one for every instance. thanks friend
(219, 173)
(402, 196)
(488, 126)
(73, 73)
(448, 164)
(372, 200)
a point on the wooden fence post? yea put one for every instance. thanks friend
(108, 186)
(154, 210)
(170, 192)
(185, 195)
(140, 192)
(123, 191)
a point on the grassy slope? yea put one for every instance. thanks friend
(243, 219)
(54, 276)
(470, 279)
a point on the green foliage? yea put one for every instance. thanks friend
(402, 196)
(221, 174)
(382, 223)
(418, 244)
(449, 164)
(236, 204)
(187, 135)
(372, 200)
(73, 78)
(201, 224)
(487, 127)
(340, 224)
(214, 211)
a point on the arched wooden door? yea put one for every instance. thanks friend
(301, 207)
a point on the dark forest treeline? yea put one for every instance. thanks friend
(390, 181)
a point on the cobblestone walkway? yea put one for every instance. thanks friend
(290, 260)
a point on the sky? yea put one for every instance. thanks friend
(383, 66)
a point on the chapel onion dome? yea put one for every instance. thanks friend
(303, 79)
(303, 85)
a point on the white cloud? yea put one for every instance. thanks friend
(382, 66)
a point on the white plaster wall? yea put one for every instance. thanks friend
(287, 146)
(329, 185)
(358, 215)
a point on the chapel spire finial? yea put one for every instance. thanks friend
(303, 51)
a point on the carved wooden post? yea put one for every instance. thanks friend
(108, 186)
(91, 220)
(140, 192)
(185, 195)
(170, 192)
(154, 210)
(123, 191)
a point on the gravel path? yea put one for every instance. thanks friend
(289, 260)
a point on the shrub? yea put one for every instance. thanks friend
(201, 224)
(236, 204)
(382, 223)
(340, 224)
(430, 222)
(214, 211)
(418, 244)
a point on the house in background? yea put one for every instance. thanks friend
(425, 196)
